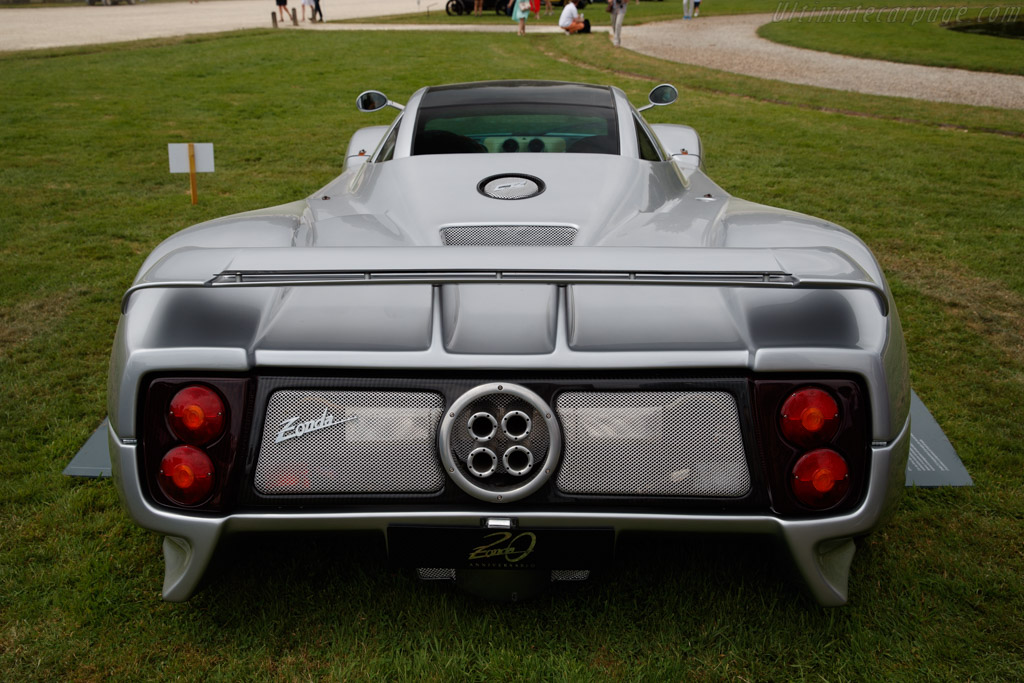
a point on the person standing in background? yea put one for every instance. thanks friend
(520, 11)
(316, 11)
(618, 11)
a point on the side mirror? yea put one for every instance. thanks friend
(374, 100)
(660, 96)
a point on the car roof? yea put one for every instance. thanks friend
(518, 92)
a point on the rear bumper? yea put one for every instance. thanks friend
(822, 549)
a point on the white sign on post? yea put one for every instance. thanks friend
(191, 158)
(177, 153)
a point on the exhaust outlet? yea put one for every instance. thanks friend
(482, 426)
(482, 463)
(516, 425)
(518, 461)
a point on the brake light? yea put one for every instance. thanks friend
(820, 478)
(800, 420)
(809, 417)
(186, 475)
(197, 415)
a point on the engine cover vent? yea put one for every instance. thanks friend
(508, 235)
(647, 444)
(350, 442)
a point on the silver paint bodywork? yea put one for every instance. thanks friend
(668, 271)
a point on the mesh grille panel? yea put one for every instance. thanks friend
(435, 574)
(652, 444)
(350, 442)
(509, 236)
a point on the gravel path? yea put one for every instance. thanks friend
(729, 43)
(31, 28)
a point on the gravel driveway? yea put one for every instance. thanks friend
(729, 43)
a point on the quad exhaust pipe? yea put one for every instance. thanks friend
(482, 463)
(482, 427)
(518, 461)
(516, 425)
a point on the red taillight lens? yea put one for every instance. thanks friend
(197, 415)
(810, 417)
(186, 475)
(820, 479)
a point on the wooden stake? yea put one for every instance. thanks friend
(192, 172)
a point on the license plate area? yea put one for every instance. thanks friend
(485, 548)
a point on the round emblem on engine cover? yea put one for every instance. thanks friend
(499, 442)
(511, 186)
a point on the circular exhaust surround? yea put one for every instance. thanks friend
(525, 450)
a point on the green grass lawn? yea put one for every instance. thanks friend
(924, 42)
(934, 189)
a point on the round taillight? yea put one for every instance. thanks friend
(197, 415)
(821, 479)
(186, 475)
(809, 417)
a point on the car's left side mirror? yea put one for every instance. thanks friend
(374, 100)
(661, 95)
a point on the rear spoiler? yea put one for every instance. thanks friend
(816, 268)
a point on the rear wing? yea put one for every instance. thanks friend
(816, 268)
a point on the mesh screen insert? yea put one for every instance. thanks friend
(670, 443)
(350, 442)
(509, 235)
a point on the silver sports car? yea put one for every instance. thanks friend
(521, 323)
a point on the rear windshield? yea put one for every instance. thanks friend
(512, 128)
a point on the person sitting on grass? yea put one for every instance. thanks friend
(571, 21)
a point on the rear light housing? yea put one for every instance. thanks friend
(814, 437)
(192, 431)
(186, 475)
(809, 417)
(821, 478)
(196, 414)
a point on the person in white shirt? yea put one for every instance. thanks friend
(571, 20)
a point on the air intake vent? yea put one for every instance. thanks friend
(652, 444)
(508, 236)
